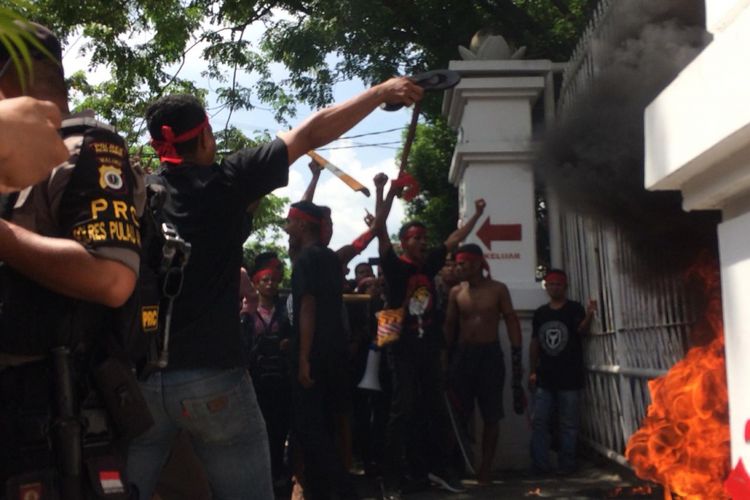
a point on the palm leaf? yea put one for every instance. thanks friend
(17, 40)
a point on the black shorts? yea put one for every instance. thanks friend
(478, 374)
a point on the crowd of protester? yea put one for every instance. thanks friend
(277, 391)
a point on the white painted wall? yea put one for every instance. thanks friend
(721, 13)
(703, 117)
(734, 238)
(698, 141)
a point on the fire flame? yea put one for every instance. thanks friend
(683, 442)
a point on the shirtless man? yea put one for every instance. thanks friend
(478, 372)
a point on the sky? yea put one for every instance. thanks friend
(362, 163)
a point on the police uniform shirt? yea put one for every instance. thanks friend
(94, 198)
(208, 206)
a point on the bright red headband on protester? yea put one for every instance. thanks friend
(258, 276)
(556, 276)
(296, 213)
(472, 257)
(467, 257)
(165, 147)
(324, 224)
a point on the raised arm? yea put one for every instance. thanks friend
(310, 191)
(460, 234)
(330, 123)
(383, 209)
(356, 247)
(65, 266)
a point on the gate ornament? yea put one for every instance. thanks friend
(485, 46)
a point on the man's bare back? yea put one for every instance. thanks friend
(480, 309)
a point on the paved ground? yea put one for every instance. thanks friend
(598, 478)
(594, 481)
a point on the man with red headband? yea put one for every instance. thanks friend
(266, 336)
(415, 359)
(556, 372)
(319, 345)
(476, 306)
(206, 390)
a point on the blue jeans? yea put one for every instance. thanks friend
(218, 411)
(566, 403)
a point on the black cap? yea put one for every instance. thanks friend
(44, 36)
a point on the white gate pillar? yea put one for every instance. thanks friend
(698, 141)
(492, 110)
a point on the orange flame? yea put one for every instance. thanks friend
(683, 442)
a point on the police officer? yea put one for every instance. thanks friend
(70, 252)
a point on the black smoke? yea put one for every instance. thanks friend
(594, 157)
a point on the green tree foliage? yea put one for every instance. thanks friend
(429, 161)
(145, 43)
(376, 39)
(139, 40)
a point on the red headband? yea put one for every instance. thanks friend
(558, 275)
(324, 223)
(468, 257)
(472, 257)
(165, 148)
(258, 276)
(296, 213)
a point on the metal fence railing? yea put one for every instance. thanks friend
(640, 332)
(642, 325)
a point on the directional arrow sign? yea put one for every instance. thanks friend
(498, 232)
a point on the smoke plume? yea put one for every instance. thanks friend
(594, 157)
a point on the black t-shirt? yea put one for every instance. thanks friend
(413, 287)
(317, 272)
(560, 349)
(208, 206)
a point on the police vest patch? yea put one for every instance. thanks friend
(110, 177)
(150, 318)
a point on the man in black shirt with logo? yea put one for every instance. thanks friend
(557, 371)
(205, 390)
(415, 359)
